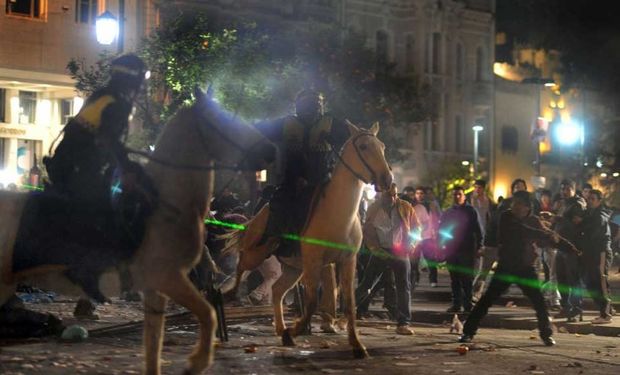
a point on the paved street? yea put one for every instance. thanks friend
(253, 349)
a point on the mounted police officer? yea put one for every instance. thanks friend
(91, 148)
(308, 142)
(101, 190)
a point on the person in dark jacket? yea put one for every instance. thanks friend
(460, 237)
(569, 214)
(595, 238)
(518, 230)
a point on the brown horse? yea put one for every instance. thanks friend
(332, 235)
(182, 170)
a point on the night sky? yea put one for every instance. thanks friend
(586, 32)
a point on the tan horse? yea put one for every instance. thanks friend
(182, 171)
(332, 235)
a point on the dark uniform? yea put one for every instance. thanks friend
(306, 162)
(516, 265)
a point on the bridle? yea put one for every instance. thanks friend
(353, 141)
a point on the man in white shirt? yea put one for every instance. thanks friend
(484, 206)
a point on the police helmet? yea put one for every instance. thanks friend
(128, 67)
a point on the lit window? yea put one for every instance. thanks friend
(26, 8)
(27, 107)
(86, 11)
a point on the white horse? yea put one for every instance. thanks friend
(332, 235)
(182, 172)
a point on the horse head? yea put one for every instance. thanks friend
(239, 142)
(364, 155)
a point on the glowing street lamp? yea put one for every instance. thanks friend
(106, 27)
(569, 133)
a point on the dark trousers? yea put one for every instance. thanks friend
(569, 276)
(461, 282)
(498, 286)
(379, 270)
(596, 272)
(427, 249)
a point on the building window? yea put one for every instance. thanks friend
(410, 53)
(480, 64)
(459, 62)
(2, 105)
(26, 8)
(86, 11)
(382, 49)
(458, 133)
(510, 139)
(436, 53)
(2, 153)
(27, 107)
(66, 110)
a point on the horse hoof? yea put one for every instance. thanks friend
(328, 328)
(287, 339)
(360, 353)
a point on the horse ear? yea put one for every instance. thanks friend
(352, 128)
(198, 94)
(374, 129)
(210, 91)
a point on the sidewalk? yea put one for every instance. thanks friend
(429, 306)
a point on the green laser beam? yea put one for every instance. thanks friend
(508, 278)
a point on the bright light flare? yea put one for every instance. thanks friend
(106, 27)
(568, 133)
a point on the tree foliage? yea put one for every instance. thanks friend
(256, 71)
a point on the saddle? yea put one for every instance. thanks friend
(84, 240)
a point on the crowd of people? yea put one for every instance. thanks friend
(557, 248)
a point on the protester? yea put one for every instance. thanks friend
(518, 230)
(427, 246)
(460, 237)
(570, 212)
(595, 239)
(386, 233)
(484, 207)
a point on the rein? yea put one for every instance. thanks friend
(359, 155)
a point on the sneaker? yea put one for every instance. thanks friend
(465, 338)
(454, 309)
(601, 320)
(433, 285)
(404, 330)
(549, 341)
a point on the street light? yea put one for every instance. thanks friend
(477, 129)
(108, 28)
(568, 133)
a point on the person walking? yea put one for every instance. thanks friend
(595, 238)
(460, 237)
(386, 233)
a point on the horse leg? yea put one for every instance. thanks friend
(311, 279)
(347, 277)
(290, 276)
(181, 290)
(154, 307)
(327, 306)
